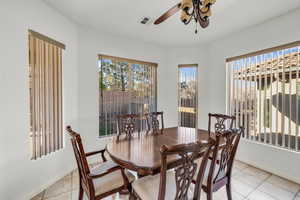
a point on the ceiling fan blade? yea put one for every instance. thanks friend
(168, 14)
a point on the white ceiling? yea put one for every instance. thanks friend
(121, 17)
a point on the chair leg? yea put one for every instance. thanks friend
(126, 190)
(209, 195)
(228, 191)
(132, 196)
(80, 195)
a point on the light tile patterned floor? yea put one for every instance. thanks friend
(248, 183)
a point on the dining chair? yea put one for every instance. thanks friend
(153, 123)
(102, 180)
(127, 124)
(220, 122)
(219, 167)
(175, 177)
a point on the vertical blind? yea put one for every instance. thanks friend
(45, 90)
(126, 87)
(187, 95)
(264, 89)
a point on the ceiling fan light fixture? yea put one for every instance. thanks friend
(197, 10)
(185, 18)
(186, 5)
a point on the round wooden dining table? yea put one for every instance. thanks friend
(141, 153)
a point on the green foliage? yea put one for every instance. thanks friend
(102, 85)
(115, 75)
(103, 131)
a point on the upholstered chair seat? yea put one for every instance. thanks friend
(101, 180)
(103, 167)
(110, 181)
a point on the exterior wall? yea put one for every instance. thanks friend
(286, 120)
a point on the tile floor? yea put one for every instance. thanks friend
(248, 183)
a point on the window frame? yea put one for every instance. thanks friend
(130, 63)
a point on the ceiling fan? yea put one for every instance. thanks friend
(197, 10)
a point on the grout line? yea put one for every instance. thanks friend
(263, 181)
(280, 188)
(62, 193)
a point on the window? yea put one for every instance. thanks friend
(187, 95)
(263, 94)
(126, 87)
(45, 91)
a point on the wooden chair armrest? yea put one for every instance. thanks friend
(94, 176)
(97, 152)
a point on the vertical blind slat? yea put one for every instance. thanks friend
(283, 100)
(242, 92)
(57, 99)
(38, 99)
(265, 99)
(47, 96)
(260, 103)
(245, 121)
(290, 100)
(32, 66)
(247, 96)
(297, 99)
(271, 100)
(43, 130)
(236, 95)
(277, 99)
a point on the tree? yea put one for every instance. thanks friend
(114, 75)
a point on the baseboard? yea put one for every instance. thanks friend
(274, 172)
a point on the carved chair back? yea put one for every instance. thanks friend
(185, 168)
(153, 123)
(220, 122)
(82, 164)
(127, 124)
(223, 155)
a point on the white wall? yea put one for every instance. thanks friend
(20, 177)
(282, 30)
(93, 43)
(189, 55)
